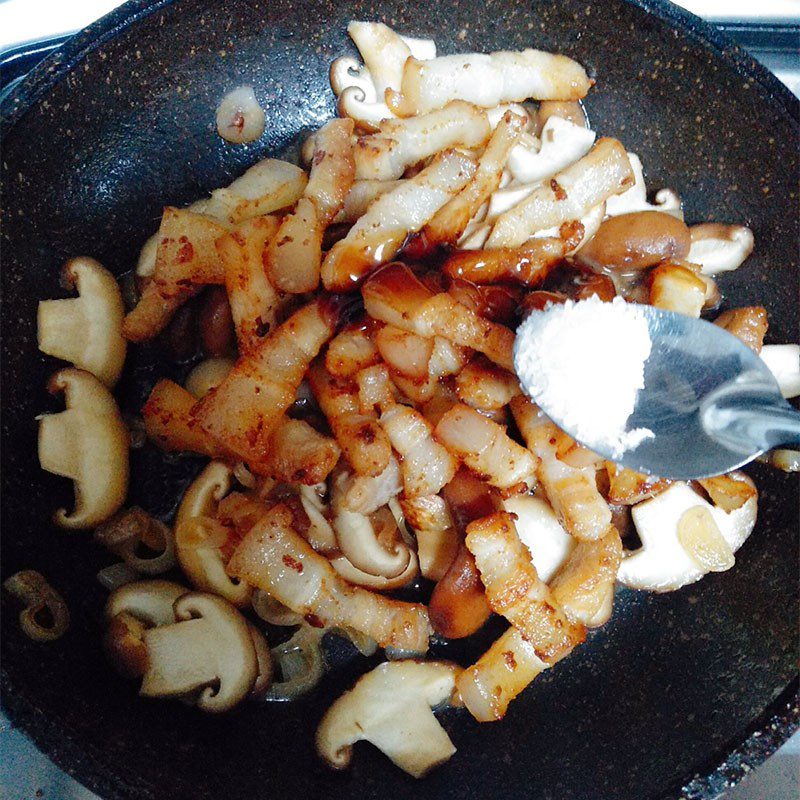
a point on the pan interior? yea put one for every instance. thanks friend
(659, 693)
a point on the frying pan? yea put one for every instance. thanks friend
(119, 122)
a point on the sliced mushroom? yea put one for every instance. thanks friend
(635, 198)
(320, 534)
(208, 651)
(562, 144)
(379, 552)
(126, 532)
(377, 583)
(203, 562)
(86, 330)
(87, 443)
(391, 707)
(45, 617)
(149, 601)
(783, 361)
(300, 664)
(720, 248)
(663, 564)
(130, 610)
(264, 661)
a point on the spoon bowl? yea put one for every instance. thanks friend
(710, 401)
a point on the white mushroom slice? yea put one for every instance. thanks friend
(370, 550)
(719, 248)
(240, 119)
(377, 583)
(353, 103)
(87, 443)
(603, 172)
(130, 609)
(202, 562)
(86, 330)
(635, 198)
(150, 602)
(562, 144)
(381, 232)
(662, 564)
(273, 557)
(360, 89)
(487, 80)
(209, 651)
(541, 532)
(357, 96)
(391, 707)
(783, 361)
(264, 661)
(346, 73)
(320, 534)
(399, 144)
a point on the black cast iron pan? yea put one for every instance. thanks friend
(119, 122)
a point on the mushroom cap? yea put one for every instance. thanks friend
(264, 659)
(151, 602)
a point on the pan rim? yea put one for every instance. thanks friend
(724, 768)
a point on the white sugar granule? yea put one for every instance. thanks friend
(583, 363)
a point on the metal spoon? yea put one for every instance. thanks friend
(711, 402)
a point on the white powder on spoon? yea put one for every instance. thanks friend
(583, 363)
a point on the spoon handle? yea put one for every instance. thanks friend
(761, 427)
